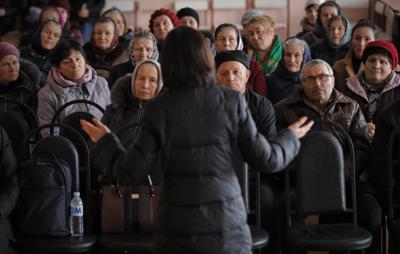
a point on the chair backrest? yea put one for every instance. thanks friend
(63, 148)
(72, 120)
(27, 113)
(320, 176)
(17, 124)
(86, 102)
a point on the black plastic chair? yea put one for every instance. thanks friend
(393, 213)
(60, 147)
(73, 118)
(260, 237)
(18, 123)
(321, 190)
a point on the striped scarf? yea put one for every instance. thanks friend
(269, 65)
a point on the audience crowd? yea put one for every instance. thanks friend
(332, 70)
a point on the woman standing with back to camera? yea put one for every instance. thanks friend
(197, 126)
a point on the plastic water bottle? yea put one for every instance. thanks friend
(76, 218)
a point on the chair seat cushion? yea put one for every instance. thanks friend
(259, 236)
(336, 237)
(44, 245)
(127, 242)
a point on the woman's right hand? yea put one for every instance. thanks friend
(300, 127)
(95, 131)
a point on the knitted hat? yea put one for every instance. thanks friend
(374, 47)
(174, 19)
(312, 2)
(62, 4)
(248, 15)
(232, 55)
(7, 49)
(187, 11)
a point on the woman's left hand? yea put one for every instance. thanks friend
(95, 131)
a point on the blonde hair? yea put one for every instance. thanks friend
(266, 21)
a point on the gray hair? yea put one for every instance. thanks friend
(146, 35)
(314, 62)
(294, 41)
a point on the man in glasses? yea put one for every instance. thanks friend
(319, 100)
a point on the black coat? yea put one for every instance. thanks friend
(8, 184)
(197, 132)
(263, 113)
(122, 116)
(378, 162)
(25, 88)
(118, 71)
(322, 50)
(124, 111)
(282, 83)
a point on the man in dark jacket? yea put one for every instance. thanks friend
(8, 189)
(318, 100)
(233, 71)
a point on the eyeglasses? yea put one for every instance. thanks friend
(320, 77)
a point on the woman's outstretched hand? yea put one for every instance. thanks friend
(95, 131)
(300, 127)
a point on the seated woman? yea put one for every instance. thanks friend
(45, 39)
(227, 37)
(362, 33)
(337, 42)
(162, 21)
(9, 189)
(265, 45)
(142, 46)
(125, 34)
(286, 77)
(325, 11)
(128, 96)
(19, 79)
(378, 85)
(69, 79)
(104, 51)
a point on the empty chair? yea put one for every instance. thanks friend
(321, 190)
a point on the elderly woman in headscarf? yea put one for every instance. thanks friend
(337, 42)
(104, 51)
(44, 41)
(325, 11)
(142, 46)
(128, 96)
(227, 37)
(125, 34)
(286, 78)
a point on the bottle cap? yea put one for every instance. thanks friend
(77, 194)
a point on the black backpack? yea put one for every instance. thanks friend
(45, 193)
(48, 174)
